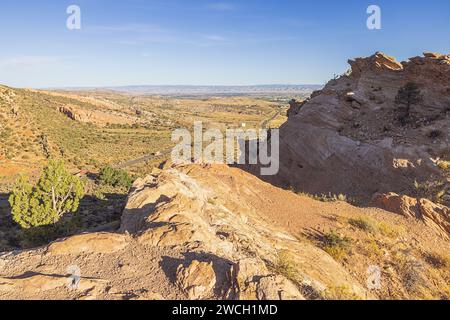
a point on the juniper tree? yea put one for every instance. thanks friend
(115, 177)
(57, 192)
(408, 96)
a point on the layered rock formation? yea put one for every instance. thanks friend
(200, 232)
(434, 215)
(208, 218)
(346, 137)
(215, 245)
(98, 117)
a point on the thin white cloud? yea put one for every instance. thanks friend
(141, 34)
(28, 62)
(296, 23)
(128, 28)
(222, 6)
(215, 38)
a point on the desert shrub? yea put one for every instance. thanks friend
(286, 267)
(340, 293)
(412, 276)
(389, 230)
(434, 134)
(364, 224)
(333, 239)
(437, 261)
(115, 177)
(332, 198)
(336, 245)
(411, 271)
(57, 192)
(372, 249)
(323, 197)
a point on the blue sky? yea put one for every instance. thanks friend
(205, 42)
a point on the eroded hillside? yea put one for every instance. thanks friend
(204, 232)
(95, 129)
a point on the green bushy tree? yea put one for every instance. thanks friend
(57, 192)
(115, 177)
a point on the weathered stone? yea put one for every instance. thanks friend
(331, 148)
(197, 280)
(434, 215)
(89, 243)
(277, 288)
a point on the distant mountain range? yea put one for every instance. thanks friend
(279, 90)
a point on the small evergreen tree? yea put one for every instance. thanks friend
(408, 96)
(115, 177)
(57, 192)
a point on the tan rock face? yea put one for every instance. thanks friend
(184, 208)
(255, 282)
(95, 116)
(89, 243)
(347, 138)
(277, 288)
(197, 280)
(39, 284)
(213, 232)
(434, 215)
(378, 63)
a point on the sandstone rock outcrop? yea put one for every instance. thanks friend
(37, 284)
(214, 232)
(89, 243)
(197, 280)
(434, 215)
(182, 209)
(94, 116)
(346, 138)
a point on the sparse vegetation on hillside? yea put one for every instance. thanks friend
(364, 224)
(325, 197)
(340, 293)
(437, 260)
(336, 245)
(38, 130)
(39, 125)
(286, 266)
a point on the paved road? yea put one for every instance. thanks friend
(265, 123)
(144, 158)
